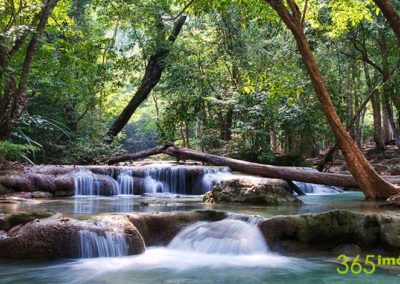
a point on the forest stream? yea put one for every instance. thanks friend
(201, 251)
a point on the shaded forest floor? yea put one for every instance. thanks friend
(386, 163)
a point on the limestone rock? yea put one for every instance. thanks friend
(261, 191)
(324, 230)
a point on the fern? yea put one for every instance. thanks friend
(17, 152)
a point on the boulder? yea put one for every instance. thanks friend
(323, 230)
(258, 191)
(60, 238)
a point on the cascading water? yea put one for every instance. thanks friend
(86, 183)
(213, 176)
(231, 237)
(166, 180)
(126, 182)
(158, 179)
(317, 188)
(102, 244)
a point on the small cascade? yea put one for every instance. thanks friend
(102, 244)
(125, 182)
(158, 179)
(166, 180)
(213, 176)
(232, 237)
(86, 183)
(318, 188)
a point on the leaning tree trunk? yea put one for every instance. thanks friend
(152, 76)
(14, 100)
(287, 173)
(373, 186)
(391, 15)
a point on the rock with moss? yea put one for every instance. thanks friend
(24, 217)
(324, 230)
(258, 191)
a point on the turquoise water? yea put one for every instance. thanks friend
(164, 265)
(83, 206)
(160, 265)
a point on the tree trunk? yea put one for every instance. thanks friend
(387, 89)
(391, 15)
(152, 76)
(376, 111)
(287, 173)
(373, 186)
(15, 98)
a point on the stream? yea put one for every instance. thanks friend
(227, 251)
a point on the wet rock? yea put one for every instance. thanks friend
(260, 191)
(208, 197)
(390, 231)
(161, 228)
(29, 195)
(24, 217)
(59, 237)
(324, 230)
(49, 238)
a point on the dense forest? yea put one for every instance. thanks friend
(259, 81)
(199, 141)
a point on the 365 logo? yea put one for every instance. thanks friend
(355, 267)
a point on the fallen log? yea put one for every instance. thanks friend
(286, 173)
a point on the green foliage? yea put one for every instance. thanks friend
(16, 152)
(292, 159)
(232, 57)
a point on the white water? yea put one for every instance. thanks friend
(86, 183)
(126, 182)
(317, 188)
(213, 176)
(231, 237)
(102, 244)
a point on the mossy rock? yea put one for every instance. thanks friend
(24, 217)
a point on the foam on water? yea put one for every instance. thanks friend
(86, 183)
(232, 237)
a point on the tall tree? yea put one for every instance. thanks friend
(155, 67)
(391, 15)
(14, 99)
(372, 185)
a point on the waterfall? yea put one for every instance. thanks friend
(125, 182)
(231, 237)
(213, 176)
(166, 180)
(157, 179)
(102, 244)
(86, 183)
(318, 188)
